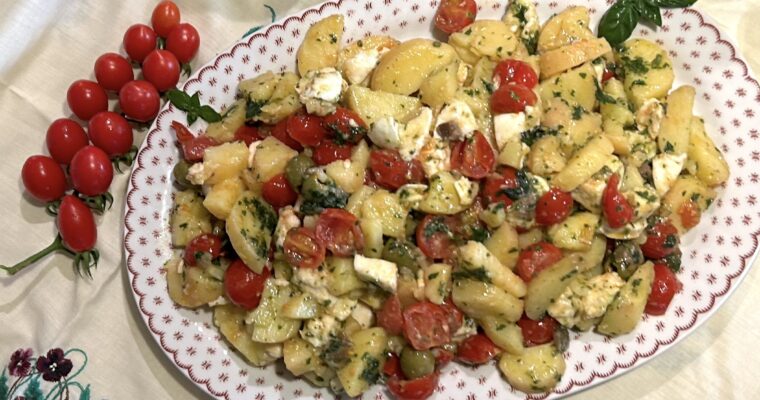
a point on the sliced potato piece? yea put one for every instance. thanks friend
(250, 226)
(366, 359)
(385, 207)
(403, 69)
(269, 325)
(686, 189)
(191, 287)
(577, 87)
(475, 257)
(505, 334)
(576, 232)
(271, 158)
(230, 319)
(480, 300)
(299, 356)
(321, 45)
(234, 118)
(503, 244)
(712, 168)
(569, 26)
(440, 87)
(648, 70)
(558, 60)
(349, 176)
(584, 163)
(625, 311)
(189, 218)
(222, 196)
(549, 284)
(372, 105)
(537, 369)
(675, 128)
(484, 38)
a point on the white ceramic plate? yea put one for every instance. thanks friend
(717, 254)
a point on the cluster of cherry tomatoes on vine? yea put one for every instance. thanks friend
(85, 160)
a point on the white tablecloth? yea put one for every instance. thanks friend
(47, 44)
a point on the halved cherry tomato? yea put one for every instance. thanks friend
(442, 356)
(662, 240)
(248, 134)
(139, 100)
(664, 287)
(280, 131)
(493, 188)
(553, 207)
(392, 367)
(183, 41)
(165, 17)
(415, 389)
(192, 147)
(43, 178)
(328, 151)
(86, 98)
(512, 99)
(515, 71)
(391, 171)
(473, 157)
(204, 243)
(426, 325)
(306, 129)
(110, 132)
(303, 249)
(617, 210)
(339, 230)
(113, 71)
(453, 15)
(456, 316)
(244, 286)
(690, 214)
(91, 171)
(476, 349)
(345, 125)
(535, 258)
(139, 40)
(278, 192)
(435, 236)
(537, 332)
(608, 74)
(64, 138)
(389, 317)
(162, 69)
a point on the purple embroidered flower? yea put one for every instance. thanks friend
(54, 366)
(20, 363)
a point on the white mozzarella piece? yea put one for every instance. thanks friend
(508, 127)
(665, 170)
(415, 134)
(386, 133)
(378, 271)
(319, 90)
(286, 221)
(435, 157)
(252, 152)
(466, 190)
(358, 68)
(460, 120)
(649, 117)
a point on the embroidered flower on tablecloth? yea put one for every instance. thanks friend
(21, 362)
(54, 366)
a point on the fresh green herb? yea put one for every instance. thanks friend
(333, 38)
(531, 43)
(436, 225)
(647, 195)
(658, 62)
(636, 65)
(253, 108)
(477, 274)
(523, 186)
(620, 20)
(371, 372)
(479, 234)
(671, 241)
(673, 261)
(432, 276)
(602, 97)
(192, 106)
(500, 327)
(638, 82)
(347, 132)
(577, 112)
(530, 137)
(487, 85)
(436, 44)
(668, 147)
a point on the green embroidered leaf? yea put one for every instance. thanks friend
(3, 386)
(33, 391)
(85, 393)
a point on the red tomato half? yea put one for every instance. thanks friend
(328, 151)
(426, 325)
(244, 286)
(662, 240)
(113, 71)
(476, 349)
(493, 188)
(391, 171)
(280, 131)
(86, 98)
(608, 74)
(306, 129)
(165, 17)
(389, 317)
(664, 287)
(512, 99)
(453, 15)
(248, 134)
(553, 207)
(415, 389)
(535, 258)
(205, 243)
(392, 367)
(43, 178)
(192, 147)
(345, 125)
(111, 132)
(537, 332)
(515, 71)
(690, 214)
(435, 236)
(339, 231)
(473, 157)
(303, 249)
(617, 210)
(278, 192)
(76, 225)
(64, 138)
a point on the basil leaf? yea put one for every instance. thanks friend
(195, 100)
(649, 12)
(209, 114)
(618, 22)
(191, 117)
(179, 98)
(672, 3)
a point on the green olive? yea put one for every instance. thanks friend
(180, 174)
(402, 252)
(625, 259)
(296, 169)
(416, 364)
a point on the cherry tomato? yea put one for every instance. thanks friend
(512, 99)
(165, 17)
(139, 100)
(415, 389)
(111, 132)
(244, 286)
(392, 367)
(476, 349)
(535, 258)
(339, 231)
(473, 157)
(690, 214)
(608, 74)
(306, 129)
(280, 131)
(456, 316)
(515, 71)
(76, 225)
(662, 240)
(183, 41)
(112, 71)
(161, 68)
(278, 192)
(345, 125)
(453, 15)
(426, 325)
(64, 138)
(664, 287)
(192, 147)
(391, 171)
(91, 171)
(537, 332)
(328, 151)
(86, 98)
(435, 236)
(442, 357)
(389, 317)
(248, 134)
(617, 210)
(139, 41)
(553, 207)
(493, 188)
(205, 243)
(43, 178)
(303, 249)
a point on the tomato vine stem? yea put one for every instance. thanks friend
(56, 246)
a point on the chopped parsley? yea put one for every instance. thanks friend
(530, 137)
(476, 274)
(436, 225)
(577, 112)
(636, 65)
(253, 108)
(371, 372)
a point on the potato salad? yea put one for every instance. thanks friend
(392, 206)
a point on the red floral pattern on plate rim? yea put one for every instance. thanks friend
(728, 232)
